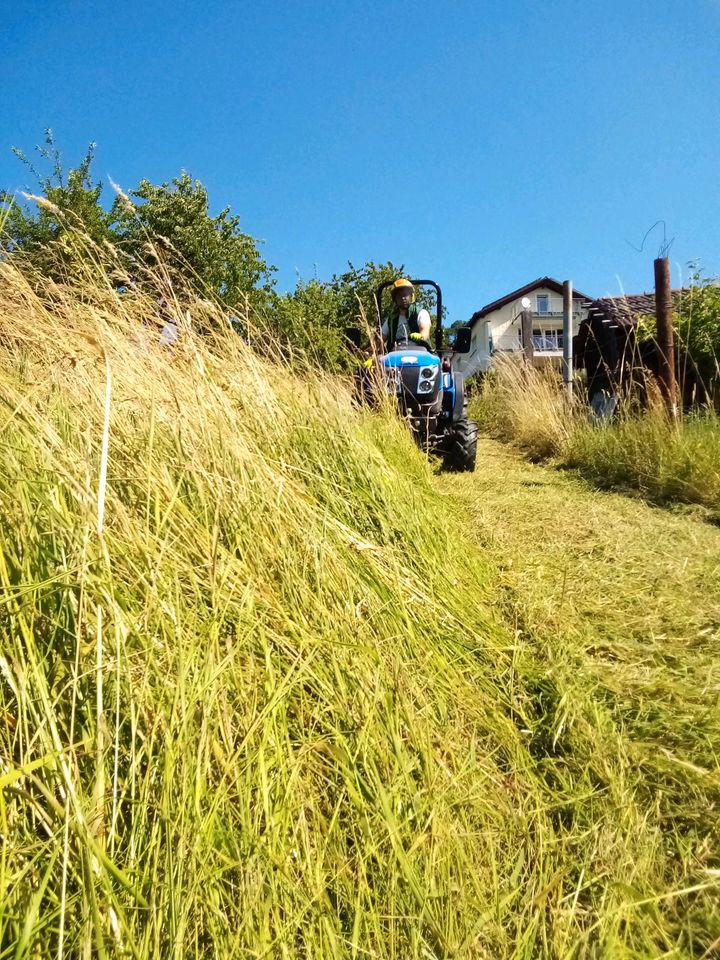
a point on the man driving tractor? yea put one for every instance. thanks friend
(428, 393)
(406, 321)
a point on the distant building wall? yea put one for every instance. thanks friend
(500, 331)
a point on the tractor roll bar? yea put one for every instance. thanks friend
(416, 283)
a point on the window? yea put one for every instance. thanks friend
(543, 303)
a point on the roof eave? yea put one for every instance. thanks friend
(550, 282)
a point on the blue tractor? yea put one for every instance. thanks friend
(429, 392)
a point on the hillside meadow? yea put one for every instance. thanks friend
(262, 693)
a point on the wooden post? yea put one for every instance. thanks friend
(567, 336)
(526, 327)
(665, 337)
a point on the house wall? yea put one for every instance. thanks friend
(500, 330)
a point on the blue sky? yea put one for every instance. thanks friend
(481, 143)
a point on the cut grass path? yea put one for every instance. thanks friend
(621, 600)
(603, 567)
(624, 591)
(624, 595)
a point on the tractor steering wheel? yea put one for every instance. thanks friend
(413, 345)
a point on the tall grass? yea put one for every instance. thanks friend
(256, 696)
(643, 449)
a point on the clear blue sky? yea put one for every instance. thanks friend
(481, 143)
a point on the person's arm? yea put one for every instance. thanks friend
(380, 339)
(424, 324)
(376, 346)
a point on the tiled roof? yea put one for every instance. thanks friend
(627, 309)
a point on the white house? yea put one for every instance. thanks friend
(497, 327)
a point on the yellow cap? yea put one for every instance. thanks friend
(402, 282)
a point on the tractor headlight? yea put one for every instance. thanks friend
(426, 380)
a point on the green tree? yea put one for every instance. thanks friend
(171, 223)
(696, 321)
(68, 228)
(316, 316)
(356, 292)
(698, 326)
(69, 219)
(309, 319)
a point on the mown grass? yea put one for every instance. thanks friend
(644, 450)
(257, 695)
(622, 601)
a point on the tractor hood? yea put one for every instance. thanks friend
(410, 358)
(415, 376)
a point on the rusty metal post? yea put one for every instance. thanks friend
(665, 336)
(568, 336)
(527, 343)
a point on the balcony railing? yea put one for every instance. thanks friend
(548, 342)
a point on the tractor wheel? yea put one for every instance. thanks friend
(463, 446)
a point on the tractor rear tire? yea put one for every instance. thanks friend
(463, 447)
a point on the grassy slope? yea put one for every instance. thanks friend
(258, 697)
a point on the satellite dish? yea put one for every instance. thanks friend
(525, 303)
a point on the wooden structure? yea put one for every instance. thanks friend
(608, 348)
